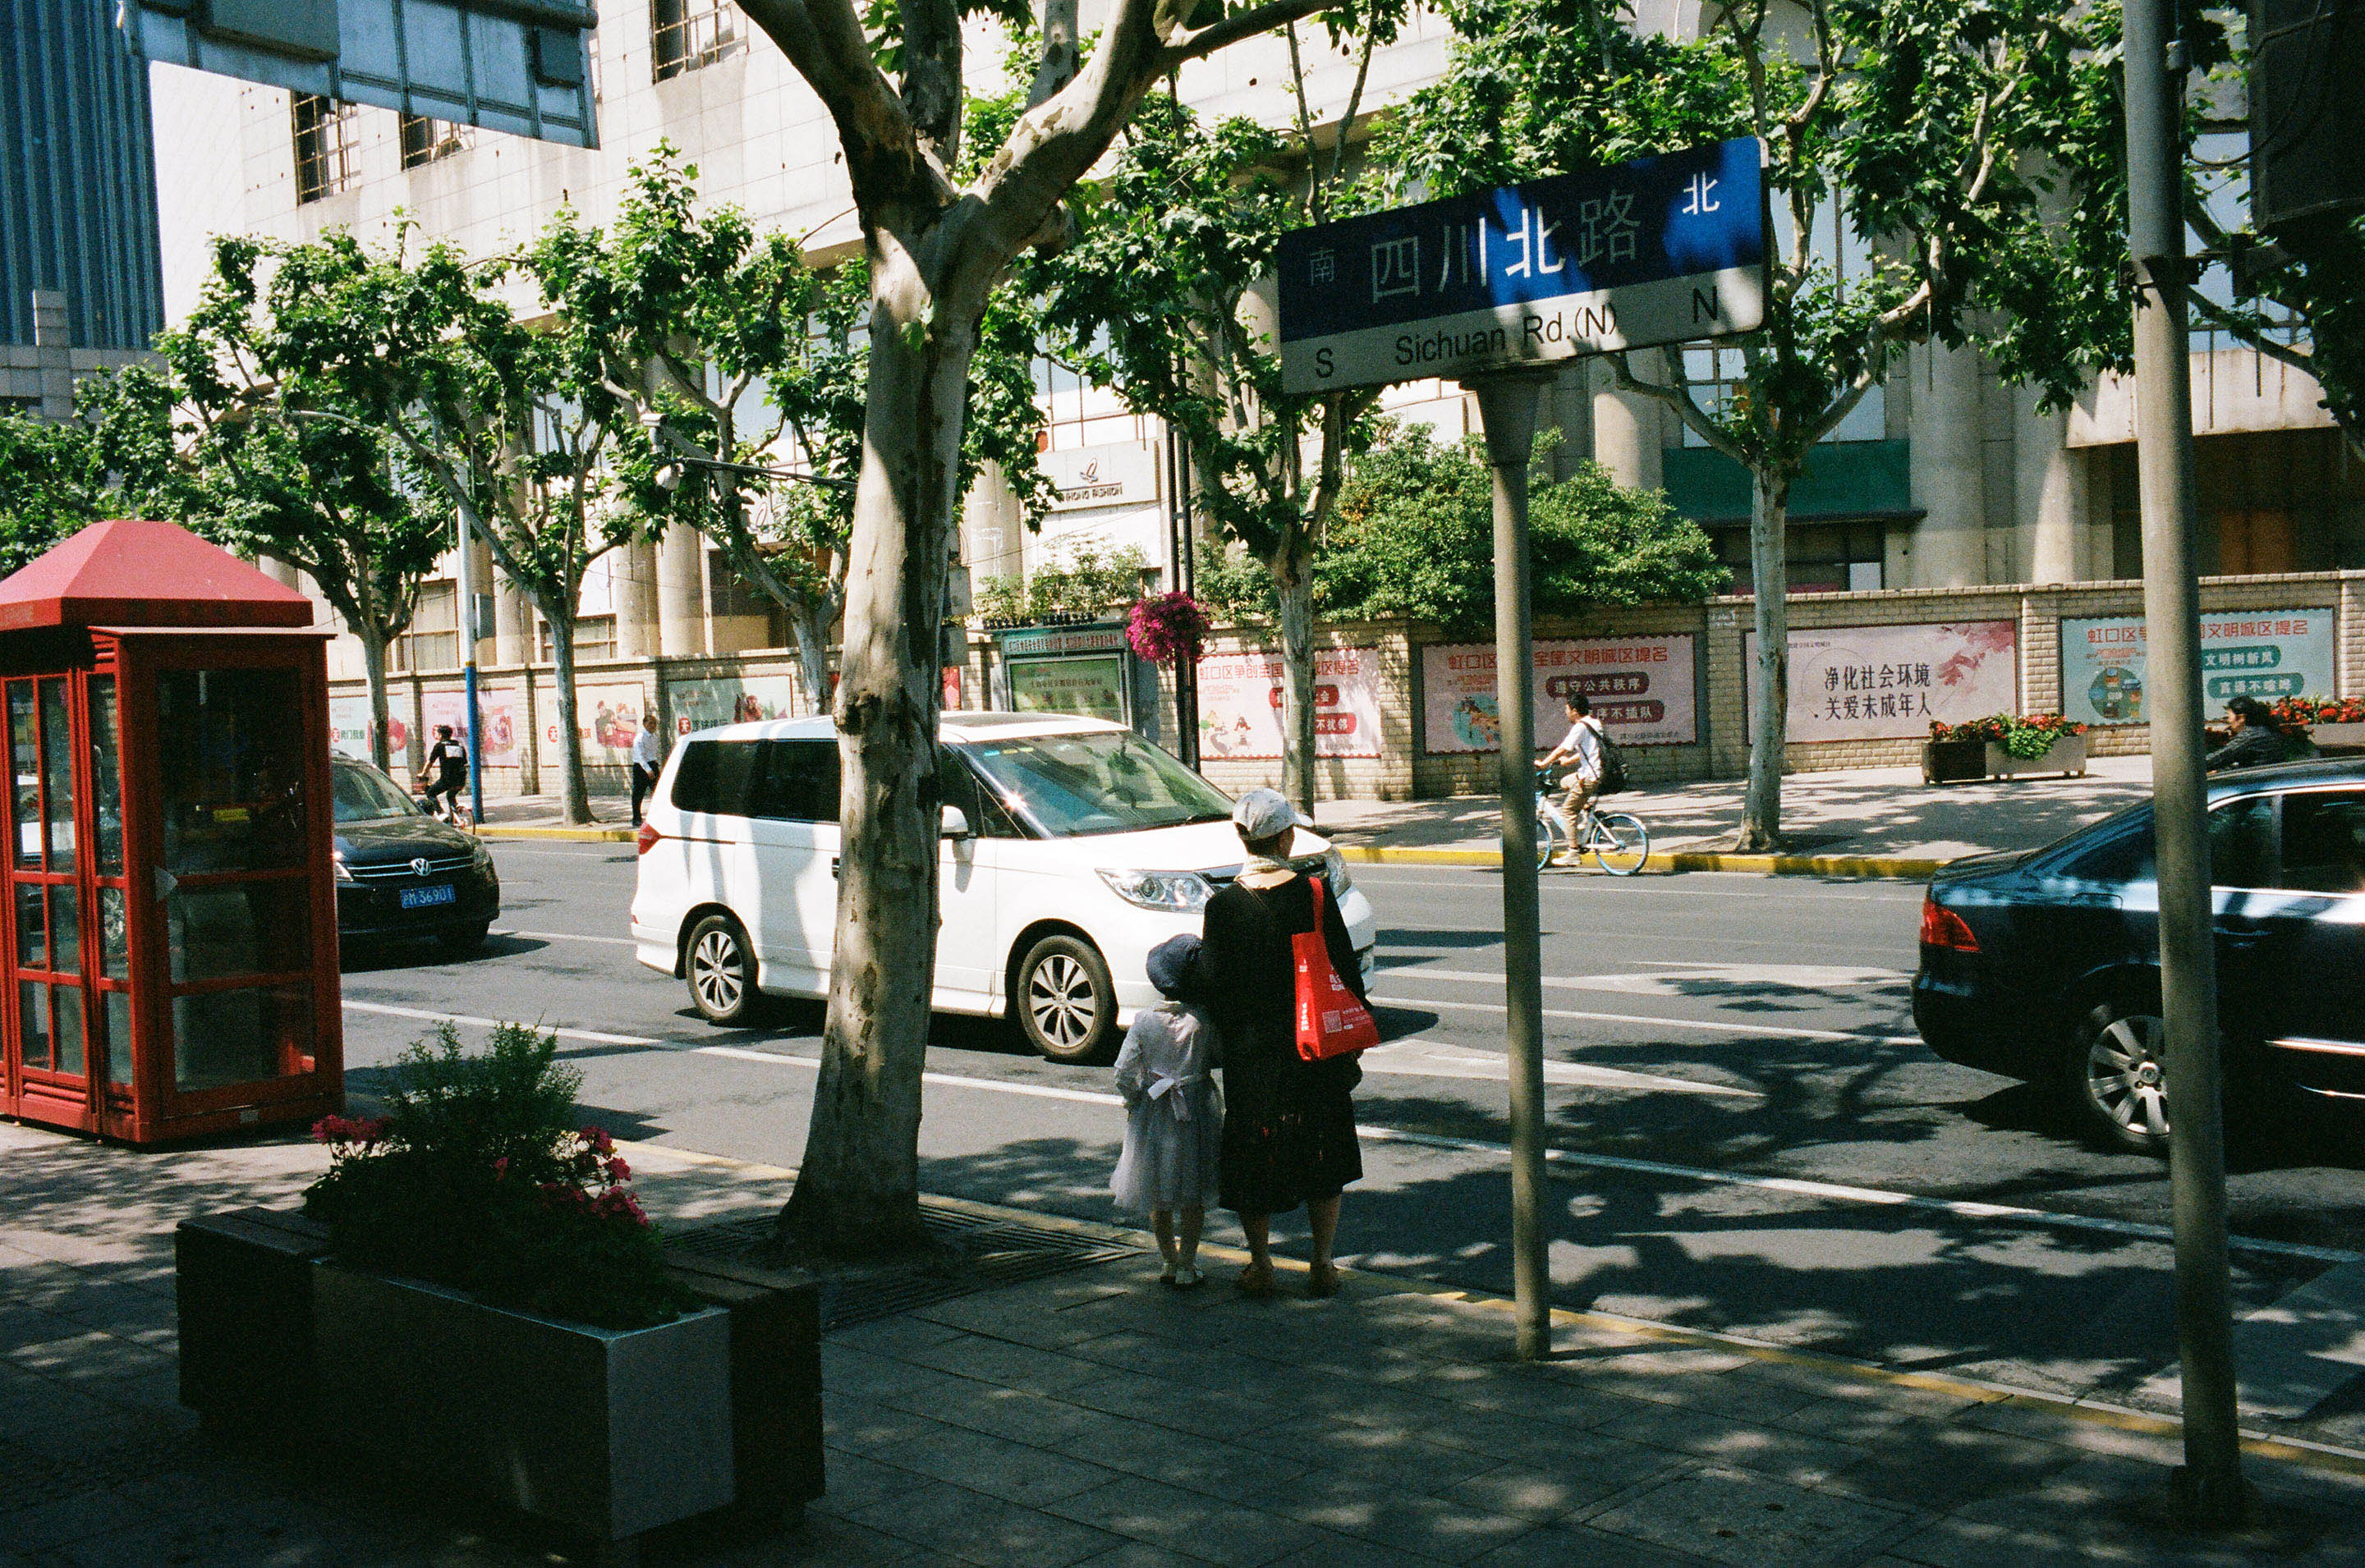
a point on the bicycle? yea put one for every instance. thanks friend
(451, 809)
(1618, 841)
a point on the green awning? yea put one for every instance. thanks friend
(1843, 478)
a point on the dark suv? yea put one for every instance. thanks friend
(2044, 965)
(402, 876)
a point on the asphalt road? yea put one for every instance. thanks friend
(1748, 1136)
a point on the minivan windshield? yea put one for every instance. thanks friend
(363, 794)
(1095, 781)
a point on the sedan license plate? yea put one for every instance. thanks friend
(427, 898)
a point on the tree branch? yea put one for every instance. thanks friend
(824, 39)
(1676, 394)
(1060, 51)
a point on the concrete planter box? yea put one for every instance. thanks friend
(606, 1433)
(1953, 762)
(2068, 757)
(2338, 737)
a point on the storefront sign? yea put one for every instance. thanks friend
(1856, 683)
(2265, 653)
(1090, 687)
(733, 699)
(606, 720)
(1117, 474)
(1241, 702)
(496, 705)
(1644, 689)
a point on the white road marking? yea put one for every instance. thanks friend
(1960, 1208)
(1774, 1031)
(564, 1033)
(1898, 893)
(563, 936)
(1793, 977)
(1431, 1058)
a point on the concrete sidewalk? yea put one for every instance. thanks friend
(1854, 822)
(1095, 1417)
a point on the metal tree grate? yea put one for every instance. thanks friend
(992, 1253)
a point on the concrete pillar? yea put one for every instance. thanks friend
(1948, 468)
(512, 625)
(1626, 434)
(2049, 492)
(681, 593)
(634, 576)
(1570, 410)
(53, 348)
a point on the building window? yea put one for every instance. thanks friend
(434, 641)
(1824, 557)
(424, 139)
(324, 146)
(595, 638)
(687, 34)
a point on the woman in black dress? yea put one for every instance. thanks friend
(1289, 1127)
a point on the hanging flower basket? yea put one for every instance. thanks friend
(1167, 628)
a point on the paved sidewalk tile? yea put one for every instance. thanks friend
(1443, 1528)
(1729, 1515)
(1013, 1472)
(985, 1530)
(1187, 1522)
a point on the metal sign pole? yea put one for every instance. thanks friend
(1507, 408)
(2212, 1476)
(467, 587)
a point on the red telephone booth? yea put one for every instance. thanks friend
(170, 946)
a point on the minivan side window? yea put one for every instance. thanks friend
(2241, 840)
(715, 778)
(800, 781)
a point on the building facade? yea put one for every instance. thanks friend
(1944, 478)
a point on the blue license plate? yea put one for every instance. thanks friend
(427, 898)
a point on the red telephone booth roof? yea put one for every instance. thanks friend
(134, 572)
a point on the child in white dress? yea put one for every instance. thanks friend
(1173, 1111)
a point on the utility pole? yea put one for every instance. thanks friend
(1507, 408)
(466, 585)
(2211, 1480)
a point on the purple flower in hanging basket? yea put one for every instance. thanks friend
(1167, 628)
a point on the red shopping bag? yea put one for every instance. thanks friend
(1330, 1022)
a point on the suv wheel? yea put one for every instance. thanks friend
(2118, 1071)
(721, 972)
(1066, 1001)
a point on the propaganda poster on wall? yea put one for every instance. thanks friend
(349, 726)
(1241, 700)
(1644, 689)
(714, 700)
(496, 705)
(1856, 683)
(2265, 653)
(606, 720)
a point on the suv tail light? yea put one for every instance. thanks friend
(646, 839)
(1942, 928)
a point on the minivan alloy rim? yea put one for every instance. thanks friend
(2123, 1074)
(1060, 996)
(714, 971)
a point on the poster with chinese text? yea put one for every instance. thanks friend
(733, 699)
(1089, 687)
(1851, 683)
(349, 726)
(2265, 653)
(496, 705)
(1239, 704)
(606, 720)
(1644, 689)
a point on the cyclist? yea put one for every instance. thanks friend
(446, 773)
(1582, 747)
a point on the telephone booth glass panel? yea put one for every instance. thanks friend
(46, 1007)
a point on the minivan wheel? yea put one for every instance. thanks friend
(2118, 1076)
(720, 971)
(1066, 1000)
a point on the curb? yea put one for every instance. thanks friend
(1884, 868)
(2271, 1446)
(571, 834)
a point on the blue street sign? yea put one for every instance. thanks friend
(1663, 250)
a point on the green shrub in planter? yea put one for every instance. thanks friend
(481, 1177)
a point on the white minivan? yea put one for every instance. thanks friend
(1071, 847)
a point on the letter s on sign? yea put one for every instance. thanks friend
(1322, 365)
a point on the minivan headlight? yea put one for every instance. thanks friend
(1334, 869)
(1182, 891)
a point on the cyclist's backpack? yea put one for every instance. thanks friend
(1613, 766)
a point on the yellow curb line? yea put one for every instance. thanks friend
(1888, 867)
(2289, 1451)
(576, 835)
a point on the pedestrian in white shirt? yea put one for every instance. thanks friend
(648, 756)
(1582, 746)
(1173, 1111)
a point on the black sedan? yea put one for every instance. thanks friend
(402, 876)
(2045, 965)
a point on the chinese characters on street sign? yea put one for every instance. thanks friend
(1662, 249)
